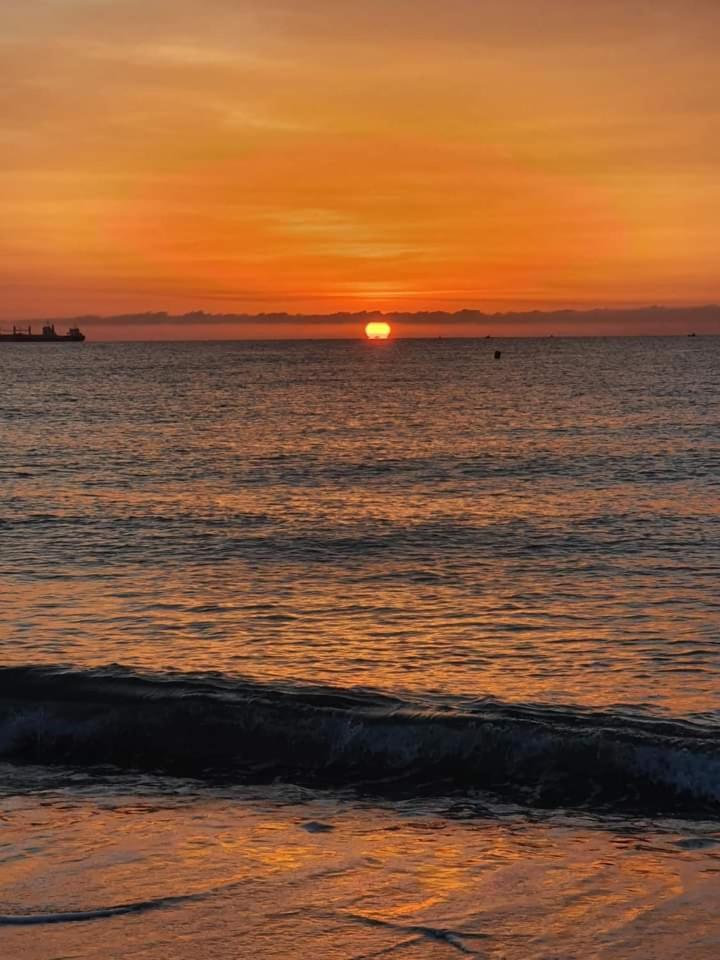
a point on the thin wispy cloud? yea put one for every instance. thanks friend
(344, 153)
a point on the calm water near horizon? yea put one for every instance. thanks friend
(360, 649)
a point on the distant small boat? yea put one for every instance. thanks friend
(48, 335)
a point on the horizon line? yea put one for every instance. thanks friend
(534, 311)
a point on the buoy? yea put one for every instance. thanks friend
(498, 354)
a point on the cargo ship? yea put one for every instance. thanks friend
(48, 335)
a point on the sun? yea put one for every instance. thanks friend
(377, 330)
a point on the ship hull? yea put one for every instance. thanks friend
(39, 338)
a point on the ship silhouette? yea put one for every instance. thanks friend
(48, 335)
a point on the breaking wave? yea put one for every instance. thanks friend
(216, 727)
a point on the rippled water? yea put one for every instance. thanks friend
(405, 516)
(163, 870)
(292, 621)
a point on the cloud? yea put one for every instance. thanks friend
(396, 153)
(654, 320)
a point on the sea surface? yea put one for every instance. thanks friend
(360, 649)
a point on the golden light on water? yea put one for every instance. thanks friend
(377, 330)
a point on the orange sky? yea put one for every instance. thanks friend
(238, 156)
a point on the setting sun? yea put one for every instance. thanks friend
(377, 330)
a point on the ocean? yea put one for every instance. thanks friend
(360, 649)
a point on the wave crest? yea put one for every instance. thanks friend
(250, 732)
